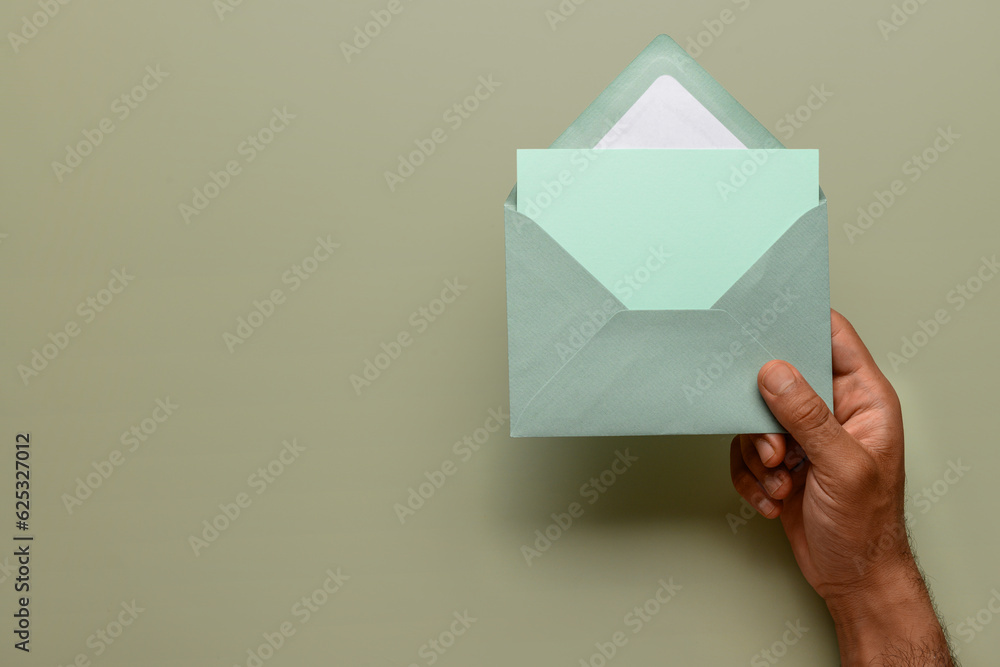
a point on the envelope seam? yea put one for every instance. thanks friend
(747, 332)
(559, 370)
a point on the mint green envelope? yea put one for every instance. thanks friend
(646, 288)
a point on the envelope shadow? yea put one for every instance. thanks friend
(622, 479)
(671, 483)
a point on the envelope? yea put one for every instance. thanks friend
(646, 288)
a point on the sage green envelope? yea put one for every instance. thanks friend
(583, 364)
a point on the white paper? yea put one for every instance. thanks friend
(668, 116)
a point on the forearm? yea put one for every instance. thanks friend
(890, 624)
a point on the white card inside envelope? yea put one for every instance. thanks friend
(667, 229)
(668, 116)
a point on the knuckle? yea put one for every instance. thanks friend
(812, 415)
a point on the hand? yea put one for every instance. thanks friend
(837, 482)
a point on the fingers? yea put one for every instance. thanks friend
(804, 414)
(853, 361)
(770, 447)
(748, 486)
(850, 355)
(775, 480)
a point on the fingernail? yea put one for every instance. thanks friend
(765, 505)
(765, 450)
(772, 483)
(778, 379)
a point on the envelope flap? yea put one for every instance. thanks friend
(554, 306)
(654, 372)
(643, 369)
(647, 369)
(663, 57)
(784, 299)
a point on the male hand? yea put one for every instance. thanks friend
(837, 482)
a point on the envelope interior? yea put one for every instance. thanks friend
(668, 116)
(673, 228)
(587, 357)
(654, 227)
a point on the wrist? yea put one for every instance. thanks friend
(890, 613)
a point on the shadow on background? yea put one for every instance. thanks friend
(677, 485)
(672, 477)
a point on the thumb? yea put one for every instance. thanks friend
(805, 415)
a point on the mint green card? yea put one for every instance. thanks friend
(666, 229)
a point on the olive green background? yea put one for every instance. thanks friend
(672, 515)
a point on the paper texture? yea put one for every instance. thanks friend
(584, 362)
(666, 229)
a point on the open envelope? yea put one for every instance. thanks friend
(588, 357)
